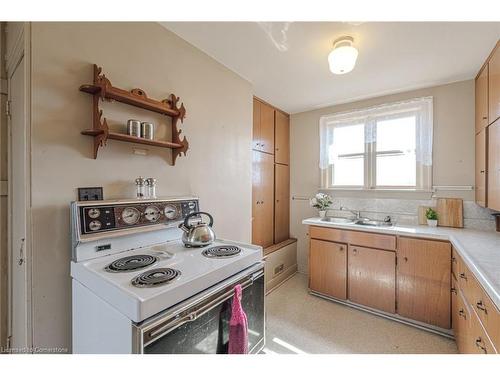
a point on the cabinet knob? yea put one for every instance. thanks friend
(480, 306)
(405, 259)
(481, 171)
(482, 347)
(462, 276)
(485, 118)
(453, 290)
(454, 260)
(461, 312)
(341, 248)
(277, 149)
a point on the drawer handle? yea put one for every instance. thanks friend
(485, 118)
(478, 344)
(461, 312)
(481, 306)
(462, 276)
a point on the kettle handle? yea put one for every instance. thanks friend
(186, 219)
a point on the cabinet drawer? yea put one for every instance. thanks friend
(479, 341)
(485, 310)
(379, 241)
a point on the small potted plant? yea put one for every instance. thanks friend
(432, 217)
(322, 202)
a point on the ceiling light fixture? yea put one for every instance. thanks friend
(343, 57)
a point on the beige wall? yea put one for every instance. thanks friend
(145, 55)
(453, 151)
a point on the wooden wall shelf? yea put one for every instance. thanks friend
(102, 89)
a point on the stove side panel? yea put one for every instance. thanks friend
(98, 328)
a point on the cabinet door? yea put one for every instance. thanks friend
(494, 86)
(266, 128)
(282, 202)
(256, 125)
(328, 268)
(262, 199)
(372, 278)
(482, 100)
(424, 281)
(282, 139)
(493, 179)
(481, 168)
(461, 322)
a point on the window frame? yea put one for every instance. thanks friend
(423, 178)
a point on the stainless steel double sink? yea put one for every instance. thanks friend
(361, 222)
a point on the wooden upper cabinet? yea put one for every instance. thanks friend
(424, 280)
(282, 202)
(494, 85)
(262, 199)
(482, 100)
(481, 168)
(372, 278)
(282, 139)
(493, 179)
(328, 268)
(256, 125)
(266, 128)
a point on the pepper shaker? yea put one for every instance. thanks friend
(140, 184)
(151, 184)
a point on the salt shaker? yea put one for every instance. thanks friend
(151, 184)
(140, 184)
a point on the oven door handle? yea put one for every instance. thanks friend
(193, 315)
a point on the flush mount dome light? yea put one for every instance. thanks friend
(343, 57)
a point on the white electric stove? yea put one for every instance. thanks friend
(138, 289)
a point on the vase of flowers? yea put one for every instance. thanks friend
(322, 202)
(432, 217)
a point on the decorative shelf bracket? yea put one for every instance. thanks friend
(102, 89)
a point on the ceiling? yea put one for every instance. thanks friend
(287, 61)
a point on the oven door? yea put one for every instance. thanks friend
(201, 324)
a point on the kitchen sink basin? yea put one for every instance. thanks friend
(374, 223)
(338, 220)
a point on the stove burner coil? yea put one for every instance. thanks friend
(155, 277)
(224, 251)
(131, 263)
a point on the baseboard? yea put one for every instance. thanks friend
(426, 327)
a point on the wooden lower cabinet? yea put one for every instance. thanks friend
(328, 268)
(372, 278)
(424, 281)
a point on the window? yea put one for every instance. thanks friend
(383, 147)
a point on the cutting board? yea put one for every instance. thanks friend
(450, 212)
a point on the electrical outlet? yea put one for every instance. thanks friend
(279, 269)
(90, 194)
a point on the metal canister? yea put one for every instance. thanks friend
(147, 130)
(134, 128)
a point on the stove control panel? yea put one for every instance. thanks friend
(107, 217)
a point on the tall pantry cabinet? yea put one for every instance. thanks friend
(487, 132)
(271, 175)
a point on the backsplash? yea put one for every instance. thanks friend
(404, 212)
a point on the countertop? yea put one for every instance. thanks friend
(480, 250)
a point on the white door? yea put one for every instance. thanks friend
(19, 182)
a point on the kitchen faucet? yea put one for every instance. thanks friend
(357, 213)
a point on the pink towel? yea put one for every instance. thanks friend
(238, 326)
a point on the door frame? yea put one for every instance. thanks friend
(15, 53)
